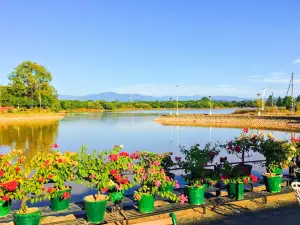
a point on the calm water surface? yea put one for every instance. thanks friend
(136, 130)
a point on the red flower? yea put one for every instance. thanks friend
(59, 160)
(223, 159)
(11, 185)
(224, 177)
(47, 162)
(134, 155)
(245, 130)
(125, 181)
(49, 190)
(41, 180)
(20, 160)
(246, 180)
(113, 172)
(237, 149)
(18, 169)
(1, 173)
(5, 198)
(126, 154)
(113, 157)
(212, 155)
(253, 178)
(92, 176)
(55, 145)
(50, 176)
(104, 190)
(66, 195)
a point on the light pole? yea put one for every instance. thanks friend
(209, 105)
(171, 105)
(177, 100)
(262, 99)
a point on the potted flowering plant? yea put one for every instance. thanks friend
(151, 176)
(9, 174)
(235, 178)
(242, 146)
(167, 163)
(61, 168)
(27, 186)
(93, 170)
(195, 174)
(119, 164)
(279, 154)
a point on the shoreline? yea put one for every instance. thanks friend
(31, 116)
(282, 123)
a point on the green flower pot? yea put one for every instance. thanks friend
(58, 203)
(273, 183)
(32, 218)
(146, 203)
(116, 196)
(95, 210)
(276, 170)
(235, 190)
(168, 188)
(195, 195)
(5, 207)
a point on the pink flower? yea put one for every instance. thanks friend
(138, 197)
(119, 187)
(129, 165)
(157, 183)
(183, 199)
(224, 177)
(156, 163)
(92, 176)
(113, 157)
(168, 178)
(176, 184)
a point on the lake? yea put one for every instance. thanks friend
(136, 130)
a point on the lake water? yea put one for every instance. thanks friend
(136, 130)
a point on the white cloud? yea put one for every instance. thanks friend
(296, 61)
(275, 78)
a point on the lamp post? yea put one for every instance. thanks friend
(262, 98)
(177, 100)
(171, 105)
(209, 105)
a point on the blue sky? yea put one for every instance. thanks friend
(148, 47)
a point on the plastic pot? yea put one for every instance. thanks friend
(235, 190)
(195, 195)
(31, 218)
(95, 210)
(58, 203)
(5, 207)
(146, 203)
(273, 183)
(276, 170)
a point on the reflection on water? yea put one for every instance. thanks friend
(30, 136)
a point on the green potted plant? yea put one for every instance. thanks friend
(28, 185)
(9, 172)
(235, 178)
(62, 168)
(278, 154)
(119, 164)
(242, 147)
(167, 164)
(197, 177)
(93, 170)
(151, 177)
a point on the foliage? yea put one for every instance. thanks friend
(194, 162)
(167, 162)
(278, 153)
(151, 176)
(235, 174)
(242, 146)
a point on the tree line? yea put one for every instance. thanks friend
(30, 86)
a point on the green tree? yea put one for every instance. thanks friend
(287, 102)
(30, 80)
(279, 102)
(269, 101)
(298, 98)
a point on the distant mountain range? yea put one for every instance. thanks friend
(113, 96)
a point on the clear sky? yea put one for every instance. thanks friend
(212, 47)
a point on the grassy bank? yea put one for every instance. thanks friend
(285, 123)
(30, 116)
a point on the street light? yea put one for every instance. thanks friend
(262, 99)
(171, 106)
(177, 100)
(209, 105)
